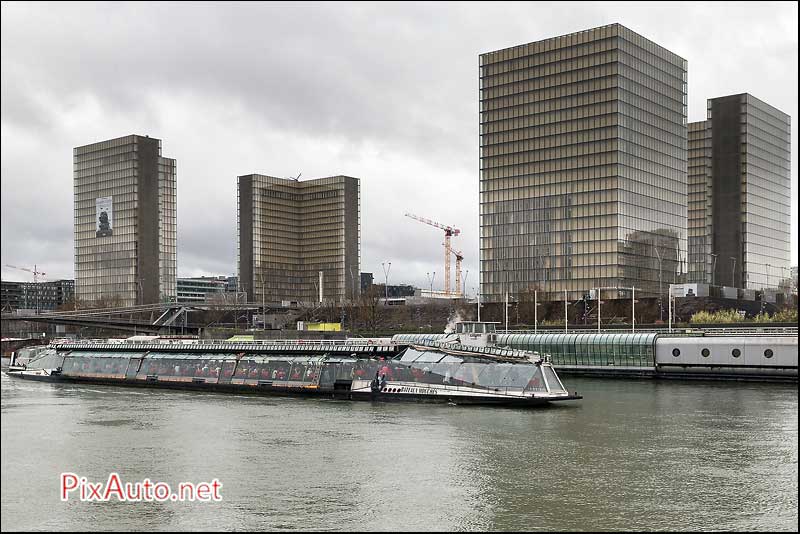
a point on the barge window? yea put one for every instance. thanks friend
(493, 374)
(768, 353)
(536, 383)
(706, 353)
(736, 353)
(519, 376)
(552, 379)
(468, 373)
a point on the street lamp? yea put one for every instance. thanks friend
(713, 269)
(386, 277)
(465, 284)
(733, 273)
(430, 282)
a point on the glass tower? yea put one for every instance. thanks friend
(739, 208)
(583, 175)
(125, 222)
(291, 231)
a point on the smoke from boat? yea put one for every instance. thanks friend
(451, 322)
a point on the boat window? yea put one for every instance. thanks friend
(430, 356)
(49, 359)
(536, 383)
(410, 355)
(366, 369)
(493, 374)
(519, 376)
(552, 379)
(468, 373)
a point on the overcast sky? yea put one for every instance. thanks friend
(384, 92)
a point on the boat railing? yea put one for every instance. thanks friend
(240, 343)
(514, 354)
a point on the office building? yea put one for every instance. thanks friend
(740, 194)
(299, 240)
(33, 296)
(125, 222)
(202, 289)
(366, 282)
(583, 172)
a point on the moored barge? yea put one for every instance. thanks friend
(455, 370)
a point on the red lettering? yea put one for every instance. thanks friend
(113, 485)
(161, 491)
(94, 491)
(148, 496)
(69, 481)
(129, 494)
(216, 485)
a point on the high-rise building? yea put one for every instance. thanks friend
(583, 143)
(299, 240)
(125, 222)
(740, 194)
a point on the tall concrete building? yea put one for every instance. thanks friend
(583, 172)
(125, 222)
(740, 194)
(290, 231)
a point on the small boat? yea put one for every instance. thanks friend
(463, 368)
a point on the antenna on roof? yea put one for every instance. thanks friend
(298, 177)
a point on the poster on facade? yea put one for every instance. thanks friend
(104, 211)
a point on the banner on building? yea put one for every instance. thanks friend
(104, 221)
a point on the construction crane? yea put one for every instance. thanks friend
(35, 272)
(459, 257)
(449, 232)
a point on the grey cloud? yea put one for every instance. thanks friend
(385, 92)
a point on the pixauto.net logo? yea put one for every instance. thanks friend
(74, 486)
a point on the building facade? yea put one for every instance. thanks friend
(299, 240)
(740, 200)
(583, 174)
(125, 222)
(41, 296)
(202, 289)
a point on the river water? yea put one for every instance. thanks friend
(632, 455)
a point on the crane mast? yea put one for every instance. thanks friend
(449, 232)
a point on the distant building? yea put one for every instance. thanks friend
(42, 296)
(582, 165)
(366, 282)
(395, 291)
(198, 289)
(290, 231)
(740, 194)
(125, 222)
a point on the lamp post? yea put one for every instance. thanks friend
(430, 282)
(713, 269)
(768, 266)
(464, 293)
(733, 272)
(386, 278)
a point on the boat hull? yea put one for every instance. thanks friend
(430, 396)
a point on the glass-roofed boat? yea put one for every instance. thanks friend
(458, 369)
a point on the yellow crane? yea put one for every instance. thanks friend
(449, 232)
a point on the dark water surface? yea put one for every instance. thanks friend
(632, 455)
